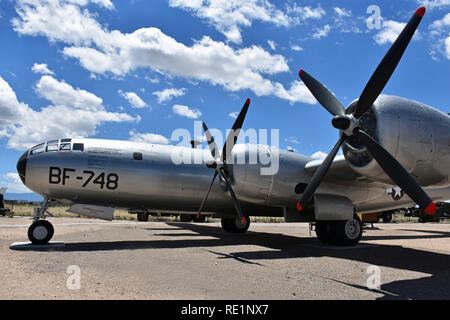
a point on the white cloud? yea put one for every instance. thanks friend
(73, 113)
(233, 115)
(102, 51)
(272, 45)
(440, 33)
(342, 12)
(104, 3)
(228, 17)
(321, 32)
(169, 94)
(148, 138)
(390, 31)
(431, 4)
(12, 181)
(292, 140)
(134, 100)
(299, 13)
(63, 94)
(185, 111)
(319, 155)
(296, 48)
(41, 68)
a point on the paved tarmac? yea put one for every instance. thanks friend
(169, 260)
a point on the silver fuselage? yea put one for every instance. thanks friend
(145, 176)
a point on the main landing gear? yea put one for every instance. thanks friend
(40, 231)
(236, 225)
(347, 232)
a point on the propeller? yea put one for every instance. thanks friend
(348, 124)
(220, 160)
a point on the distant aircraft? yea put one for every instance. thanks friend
(3, 210)
(97, 175)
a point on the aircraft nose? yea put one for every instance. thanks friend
(22, 166)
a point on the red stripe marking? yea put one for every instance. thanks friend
(243, 220)
(420, 12)
(300, 73)
(431, 209)
(299, 207)
(247, 102)
(93, 210)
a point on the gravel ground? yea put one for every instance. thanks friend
(159, 260)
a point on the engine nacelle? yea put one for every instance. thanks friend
(417, 135)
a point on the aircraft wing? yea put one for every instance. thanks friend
(339, 172)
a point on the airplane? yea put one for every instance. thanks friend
(392, 148)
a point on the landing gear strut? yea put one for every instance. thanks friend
(40, 231)
(346, 232)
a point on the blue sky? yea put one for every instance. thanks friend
(138, 70)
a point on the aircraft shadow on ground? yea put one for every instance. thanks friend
(288, 247)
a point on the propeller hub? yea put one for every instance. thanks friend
(341, 122)
(347, 123)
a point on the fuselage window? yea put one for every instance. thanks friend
(66, 140)
(137, 156)
(38, 149)
(52, 146)
(64, 147)
(78, 147)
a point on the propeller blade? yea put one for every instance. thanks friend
(397, 173)
(234, 133)
(207, 193)
(322, 94)
(211, 143)
(318, 175)
(236, 202)
(387, 66)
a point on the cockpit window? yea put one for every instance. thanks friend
(78, 147)
(64, 147)
(52, 146)
(66, 140)
(38, 149)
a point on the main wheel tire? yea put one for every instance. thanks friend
(347, 232)
(387, 217)
(199, 219)
(142, 216)
(323, 232)
(186, 217)
(235, 225)
(40, 232)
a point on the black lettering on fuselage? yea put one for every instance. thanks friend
(65, 176)
(54, 176)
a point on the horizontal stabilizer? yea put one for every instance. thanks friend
(105, 213)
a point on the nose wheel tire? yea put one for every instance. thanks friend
(235, 225)
(40, 232)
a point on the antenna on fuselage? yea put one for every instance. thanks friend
(195, 143)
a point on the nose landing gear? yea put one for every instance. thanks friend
(40, 231)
